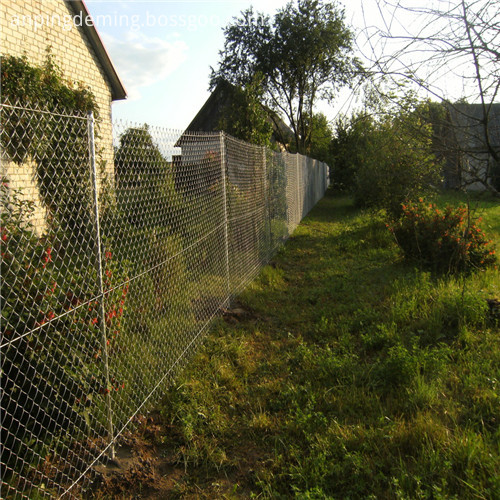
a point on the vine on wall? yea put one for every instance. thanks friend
(57, 146)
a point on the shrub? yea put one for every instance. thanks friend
(51, 320)
(399, 165)
(146, 192)
(445, 240)
(387, 158)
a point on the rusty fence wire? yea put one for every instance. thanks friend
(117, 253)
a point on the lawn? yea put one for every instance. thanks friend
(342, 372)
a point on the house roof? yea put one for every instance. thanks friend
(118, 91)
(209, 116)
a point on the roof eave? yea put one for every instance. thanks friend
(118, 91)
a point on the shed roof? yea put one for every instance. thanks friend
(219, 102)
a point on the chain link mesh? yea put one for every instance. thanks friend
(113, 268)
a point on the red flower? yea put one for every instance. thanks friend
(47, 257)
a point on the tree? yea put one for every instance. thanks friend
(348, 149)
(389, 160)
(303, 54)
(449, 51)
(145, 185)
(320, 137)
(246, 118)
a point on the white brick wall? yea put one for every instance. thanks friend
(31, 27)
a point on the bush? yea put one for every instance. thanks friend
(146, 192)
(386, 159)
(51, 320)
(398, 166)
(445, 240)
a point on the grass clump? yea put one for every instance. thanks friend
(351, 375)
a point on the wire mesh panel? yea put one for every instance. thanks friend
(292, 192)
(53, 407)
(247, 207)
(113, 267)
(276, 199)
(162, 235)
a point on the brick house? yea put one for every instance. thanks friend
(32, 27)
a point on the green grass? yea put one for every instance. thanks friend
(354, 375)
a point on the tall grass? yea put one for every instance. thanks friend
(352, 375)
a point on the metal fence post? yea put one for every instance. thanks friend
(100, 283)
(267, 202)
(223, 163)
(299, 208)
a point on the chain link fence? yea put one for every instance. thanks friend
(113, 269)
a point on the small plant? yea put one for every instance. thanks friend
(447, 240)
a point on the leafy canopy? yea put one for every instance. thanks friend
(320, 137)
(58, 145)
(389, 157)
(45, 86)
(245, 117)
(397, 162)
(303, 54)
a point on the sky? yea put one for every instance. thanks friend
(163, 51)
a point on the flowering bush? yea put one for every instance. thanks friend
(52, 326)
(445, 240)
